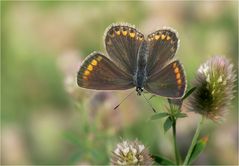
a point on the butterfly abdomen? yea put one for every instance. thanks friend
(141, 65)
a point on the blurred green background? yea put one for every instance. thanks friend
(47, 119)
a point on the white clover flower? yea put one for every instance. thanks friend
(131, 153)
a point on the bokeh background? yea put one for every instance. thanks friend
(47, 119)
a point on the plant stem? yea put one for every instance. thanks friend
(177, 155)
(194, 141)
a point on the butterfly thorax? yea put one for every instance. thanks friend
(140, 75)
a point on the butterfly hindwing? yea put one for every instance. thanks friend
(100, 73)
(163, 45)
(169, 82)
(122, 42)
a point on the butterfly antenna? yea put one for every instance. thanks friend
(123, 100)
(149, 103)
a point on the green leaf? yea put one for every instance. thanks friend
(189, 93)
(198, 148)
(181, 115)
(72, 138)
(159, 115)
(167, 124)
(152, 97)
(162, 161)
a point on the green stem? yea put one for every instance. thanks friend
(177, 155)
(194, 141)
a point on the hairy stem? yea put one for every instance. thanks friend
(177, 155)
(194, 141)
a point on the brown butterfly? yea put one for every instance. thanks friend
(135, 61)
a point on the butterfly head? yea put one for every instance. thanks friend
(139, 90)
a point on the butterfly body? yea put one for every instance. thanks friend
(141, 75)
(135, 61)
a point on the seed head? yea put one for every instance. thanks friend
(215, 83)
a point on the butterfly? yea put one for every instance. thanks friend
(135, 61)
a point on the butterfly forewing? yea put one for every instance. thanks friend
(169, 82)
(162, 48)
(122, 43)
(98, 72)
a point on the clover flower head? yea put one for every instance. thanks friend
(215, 88)
(131, 153)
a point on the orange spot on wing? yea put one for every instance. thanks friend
(86, 72)
(132, 34)
(179, 82)
(90, 67)
(176, 70)
(124, 32)
(85, 78)
(168, 38)
(117, 32)
(99, 58)
(178, 76)
(174, 65)
(163, 37)
(156, 37)
(179, 87)
(94, 62)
